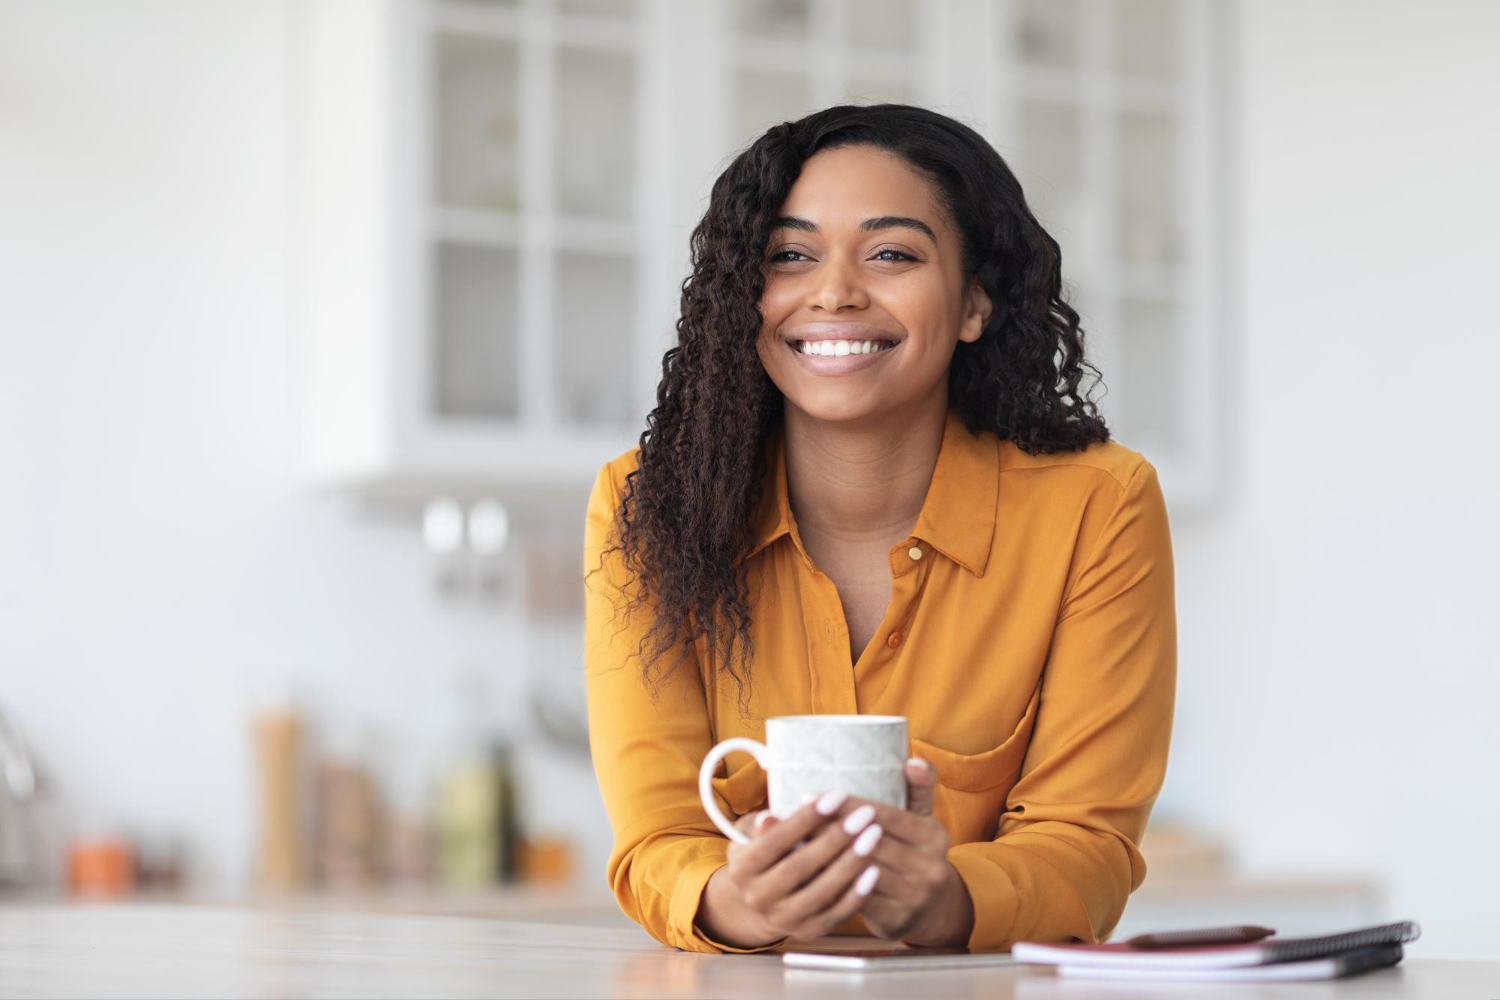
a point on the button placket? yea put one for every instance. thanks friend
(906, 568)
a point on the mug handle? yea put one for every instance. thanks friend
(705, 780)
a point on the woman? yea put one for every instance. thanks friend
(870, 484)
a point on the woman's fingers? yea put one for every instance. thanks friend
(921, 785)
(908, 863)
(795, 869)
(775, 839)
(921, 831)
(825, 888)
(856, 895)
(886, 916)
(750, 823)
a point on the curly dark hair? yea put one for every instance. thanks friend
(686, 512)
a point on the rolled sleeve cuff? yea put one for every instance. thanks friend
(993, 895)
(686, 897)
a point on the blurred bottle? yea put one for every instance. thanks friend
(468, 821)
(510, 827)
(281, 858)
(476, 800)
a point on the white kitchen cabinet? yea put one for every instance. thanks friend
(497, 199)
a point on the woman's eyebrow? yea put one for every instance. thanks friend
(868, 226)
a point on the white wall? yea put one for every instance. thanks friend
(162, 565)
(158, 552)
(1338, 694)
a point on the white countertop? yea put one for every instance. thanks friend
(170, 950)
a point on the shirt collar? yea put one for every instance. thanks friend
(957, 517)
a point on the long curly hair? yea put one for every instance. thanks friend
(686, 512)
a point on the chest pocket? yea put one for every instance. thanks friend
(972, 786)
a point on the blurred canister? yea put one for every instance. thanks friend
(101, 867)
(278, 736)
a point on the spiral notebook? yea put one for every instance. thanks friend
(1269, 951)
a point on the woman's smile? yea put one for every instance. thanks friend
(840, 357)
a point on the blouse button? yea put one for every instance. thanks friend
(915, 552)
(893, 640)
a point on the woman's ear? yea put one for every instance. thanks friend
(976, 314)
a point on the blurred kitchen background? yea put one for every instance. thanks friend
(317, 319)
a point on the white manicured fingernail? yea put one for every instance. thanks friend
(830, 802)
(920, 763)
(867, 840)
(866, 880)
(859, 819)
(761, 820)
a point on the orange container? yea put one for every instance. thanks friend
(101, 868)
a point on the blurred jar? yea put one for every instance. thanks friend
(101, 867)
(546, 860)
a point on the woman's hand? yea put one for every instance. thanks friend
(759, 897)
(919, 897)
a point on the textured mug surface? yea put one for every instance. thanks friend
(807, 755)
(860, 755)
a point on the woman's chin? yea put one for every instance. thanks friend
(834, 407)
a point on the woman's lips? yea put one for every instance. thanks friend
(840, 365)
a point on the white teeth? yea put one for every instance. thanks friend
(840, 348)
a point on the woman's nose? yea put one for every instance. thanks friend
(838, 283)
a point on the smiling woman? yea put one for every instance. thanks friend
(835, 276)
(872, 485)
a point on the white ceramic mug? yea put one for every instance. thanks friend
(807, 755)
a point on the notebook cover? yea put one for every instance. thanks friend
(1229, 956)
(1350, 963)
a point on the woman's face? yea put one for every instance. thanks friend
(862, 253)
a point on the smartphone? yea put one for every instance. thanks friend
(895, 960)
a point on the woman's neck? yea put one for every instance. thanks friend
(862, 481)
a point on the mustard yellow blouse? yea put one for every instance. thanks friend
(1030, 641)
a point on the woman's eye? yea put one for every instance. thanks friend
(782, 255)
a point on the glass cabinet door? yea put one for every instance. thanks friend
(472, 323)
(1102, 147)
(533, 121)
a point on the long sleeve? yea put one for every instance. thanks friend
(1065, 855)
(646, 752)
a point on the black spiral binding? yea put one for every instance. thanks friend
(1299, 949)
